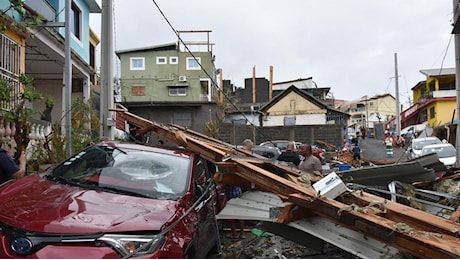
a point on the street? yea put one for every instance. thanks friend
(374, 149)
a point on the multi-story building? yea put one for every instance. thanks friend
(434, 99)
(369, 111)
(39, 51)
(170, 83)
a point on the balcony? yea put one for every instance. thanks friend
(443, 93)
(357, 112)
(42, 7)
(437, 94)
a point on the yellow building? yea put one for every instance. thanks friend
(434, 99)
(12, 56)
(369, 111)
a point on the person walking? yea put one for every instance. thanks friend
(309, 163)
(363, 132)
(356, 154)
(231, 192)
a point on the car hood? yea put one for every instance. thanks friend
(35, 204)
(448, 161)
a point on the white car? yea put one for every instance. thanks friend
(447, 153)
(418, 143)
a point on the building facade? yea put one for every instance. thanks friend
(369, 111)
(39, 51)
(169, 83)
(434, 99)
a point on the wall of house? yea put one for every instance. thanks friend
(385, 106)
(301, 119)
(80, 46)
(294, 106)
(262, 91)
(444, 110)
(156, 78)
(198, 114)
(52, 88)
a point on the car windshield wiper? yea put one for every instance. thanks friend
(70, 181)
(55, 178)
(121, 191)
(87, 173)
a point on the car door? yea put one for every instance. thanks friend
(205, 229)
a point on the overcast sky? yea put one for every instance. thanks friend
(347, 45)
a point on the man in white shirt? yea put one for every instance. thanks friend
(310, 163)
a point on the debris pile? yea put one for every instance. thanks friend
(253, 172)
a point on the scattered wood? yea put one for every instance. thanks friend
(410, 230)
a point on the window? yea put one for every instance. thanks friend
(137, 63)
(205, 89)
(182, 118)
(77, 85)
(75, 20)
(173, 60)
(138, 90)
(177, 91)
(371, 104)
(10, 69)
(161, 60)
(432, 112)
(193, 64)
(92, 61)
(289, 120)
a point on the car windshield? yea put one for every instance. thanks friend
(128, 171)
(418, 145)
(281, 145)
(443, 152)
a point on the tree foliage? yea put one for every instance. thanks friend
(18, 18)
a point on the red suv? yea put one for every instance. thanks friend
(112, 201)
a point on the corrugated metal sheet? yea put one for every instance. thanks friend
(264, 206)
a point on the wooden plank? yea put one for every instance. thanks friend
(402, 213)
(418, 243)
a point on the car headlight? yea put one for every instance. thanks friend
(133, 245)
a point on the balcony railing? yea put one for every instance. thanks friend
(436, 94)
(38, 132)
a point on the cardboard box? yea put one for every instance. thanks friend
(330, 186)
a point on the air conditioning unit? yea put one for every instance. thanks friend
(255, 108)
(182, 78)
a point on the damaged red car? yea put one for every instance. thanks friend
(113, 201)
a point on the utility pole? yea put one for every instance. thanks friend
(398, 119)
(67, 89)
(457, 75)
(106, 103)
(367, 113)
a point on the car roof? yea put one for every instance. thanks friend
(437, 145)
(425, 138)
(276, 141)
(165, 150)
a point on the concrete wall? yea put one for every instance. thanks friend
(235, 134)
